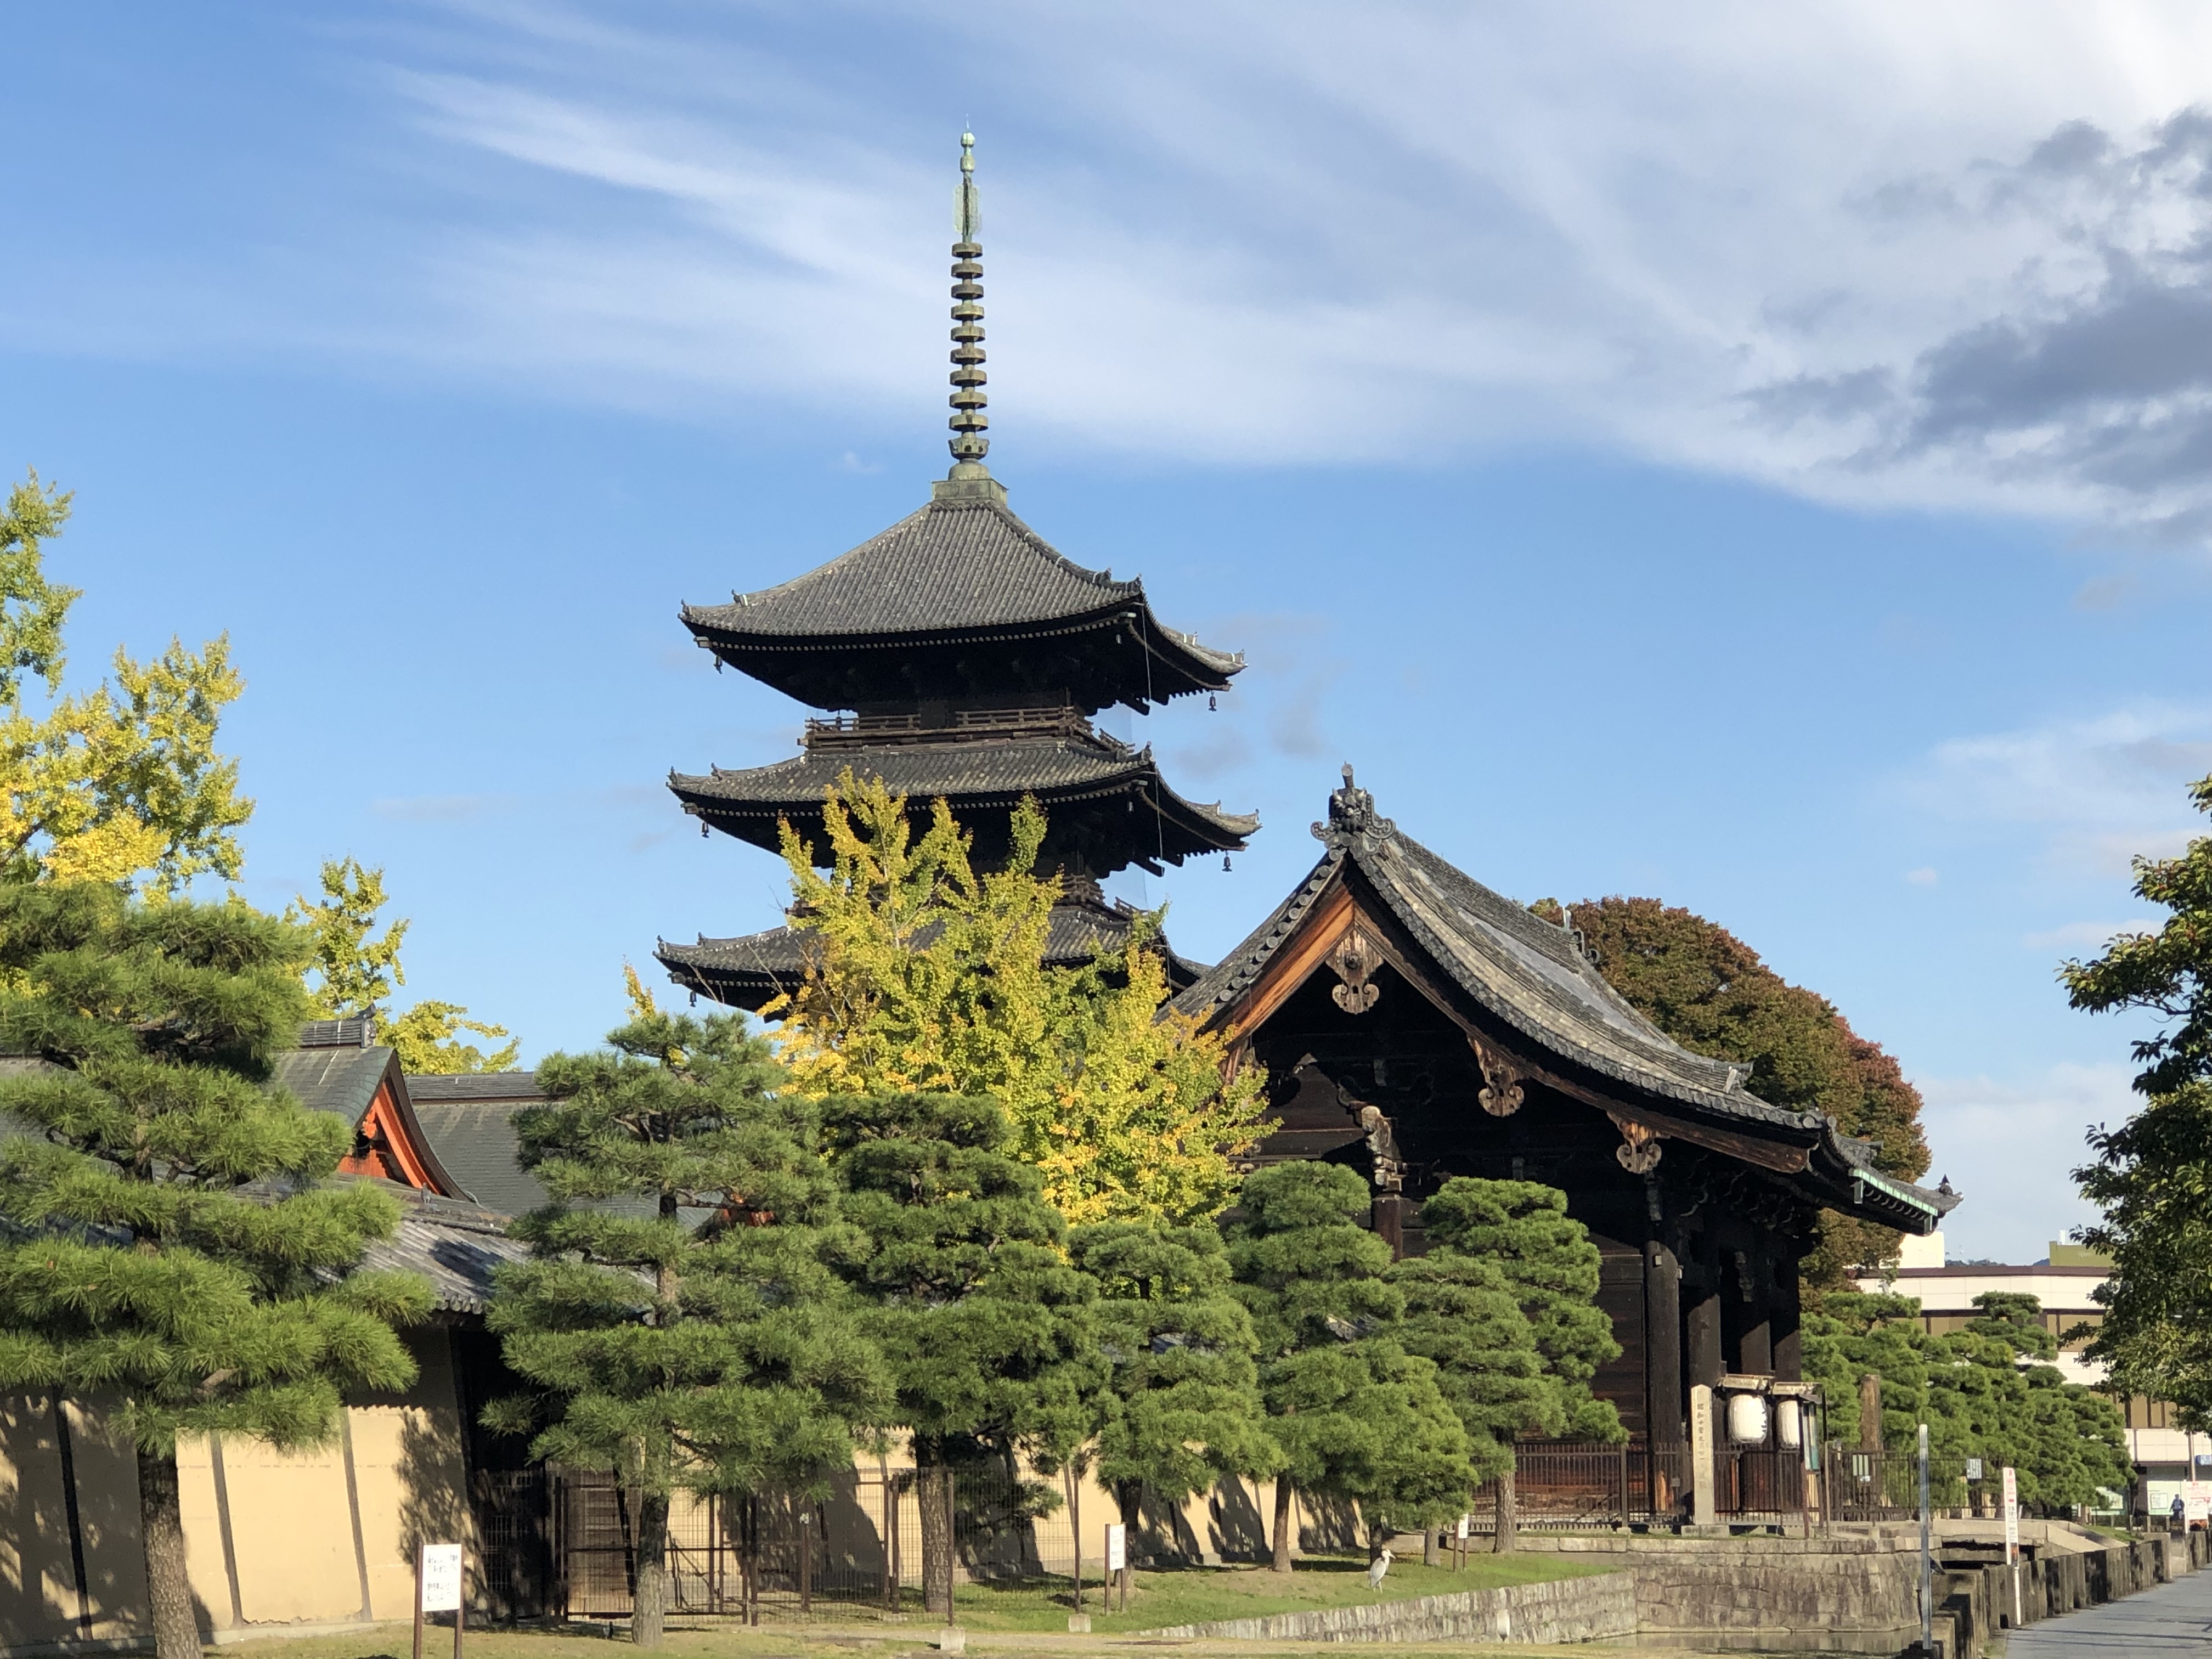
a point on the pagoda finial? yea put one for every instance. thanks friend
(969, 423)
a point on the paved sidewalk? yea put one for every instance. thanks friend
(2172, 1619)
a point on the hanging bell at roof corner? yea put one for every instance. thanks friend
(703, 829)
(695, 998)
(1210, 704)
(1225, 860)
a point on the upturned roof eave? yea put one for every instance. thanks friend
(1181, 656)
(1848, 1180)
(1222, 831)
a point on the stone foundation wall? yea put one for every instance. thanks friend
(1822, 1594)
(1585, 1609)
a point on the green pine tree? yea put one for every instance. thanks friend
(986, 1328)
(1358, 1418)
(1986, 1391)
(678, 1323)
(1461, 1316)
(174, 1244)
(1181, 1408)
(1523, 1228)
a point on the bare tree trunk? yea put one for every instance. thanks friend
(648, 1618)
(1432, 1548)
(936, 1538)
(1073, 1478)
(1129, 1498)
(1508, 1516)
(1285, 1513)
(161, 1529)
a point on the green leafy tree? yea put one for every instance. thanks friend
(1181, 1407)
(986, 1328)
(1358, 1418)
(2167, 972)
(2153, 1182)
(1986, 1391)
(927, 976)
(121, 783)
(356, 968)
(2152, 1177)
(1710, 992)
(1550, 1267)
(678, 1323)
(169, 1239)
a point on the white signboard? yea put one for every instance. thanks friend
(2197, 1500)
(1973, 1468)
(1118, 1548)
(2011, 1515)
(1464, 1528)
(441, 1578)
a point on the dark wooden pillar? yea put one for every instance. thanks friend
(1755, 1352)
(1788, 1338)
(1701, 1314)
(1663, 1343)
(1389, 1220)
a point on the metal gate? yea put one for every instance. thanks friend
(867, 1544)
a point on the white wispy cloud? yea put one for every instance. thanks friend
(2099, 790)
(2086, 935)
(1869, 250)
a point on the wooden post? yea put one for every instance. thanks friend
(1870, 1412)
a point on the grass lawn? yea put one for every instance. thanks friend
(1186, 1596)
(1198, 1596)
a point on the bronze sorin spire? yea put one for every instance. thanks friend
(969, 422)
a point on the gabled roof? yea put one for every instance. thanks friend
(457, 1247)
(973, 777)
(750, 970)
(1536, 979)
(469, 1118)
(961, 568)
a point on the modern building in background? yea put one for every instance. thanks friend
(2064, 1283)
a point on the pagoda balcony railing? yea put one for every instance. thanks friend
(958, 726)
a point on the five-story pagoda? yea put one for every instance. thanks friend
(958, 655)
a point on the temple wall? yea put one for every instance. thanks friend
(272, 1538)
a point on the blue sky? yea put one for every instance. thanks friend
(1755, 457)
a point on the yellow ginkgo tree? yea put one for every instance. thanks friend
(356, 970)
(121, 783)
(924, 975)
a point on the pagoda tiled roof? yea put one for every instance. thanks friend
(1538, 980)
(748, 970)
(961, 566)
(969, 776)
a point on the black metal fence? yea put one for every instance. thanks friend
(1864, 1485)
(1575, 1485)
(895, 1541)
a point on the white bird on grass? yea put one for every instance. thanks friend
(1376, 1568)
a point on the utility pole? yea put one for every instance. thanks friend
(1927, 1560)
